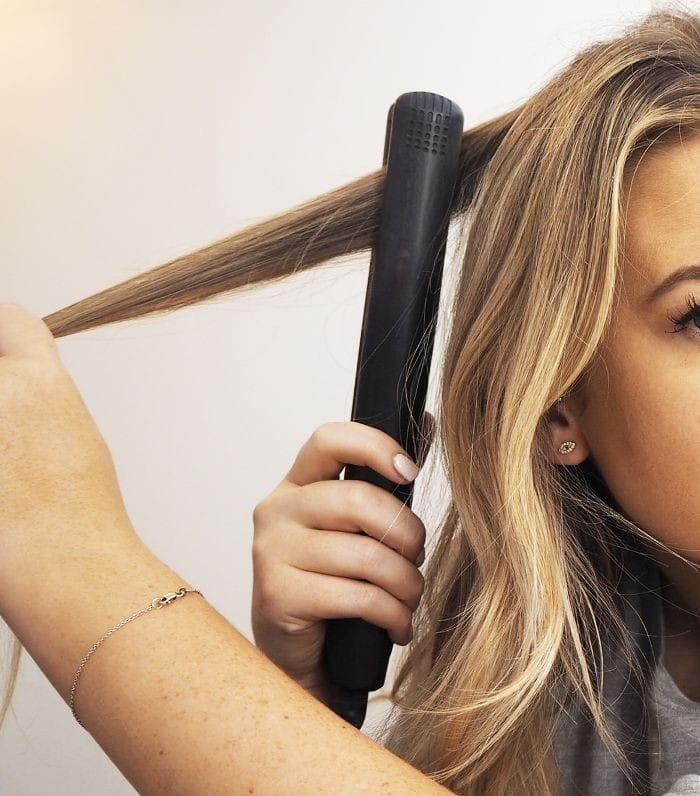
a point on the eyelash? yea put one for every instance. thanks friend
(683, 321)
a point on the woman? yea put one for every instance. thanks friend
(543, 580)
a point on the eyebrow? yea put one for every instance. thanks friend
(687, 272)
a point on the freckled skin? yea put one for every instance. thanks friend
(638, 415)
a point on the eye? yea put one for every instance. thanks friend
(682, 322)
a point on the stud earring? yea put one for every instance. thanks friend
(565, 447)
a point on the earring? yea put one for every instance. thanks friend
(565, 447)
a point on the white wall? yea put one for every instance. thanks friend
(135, 131)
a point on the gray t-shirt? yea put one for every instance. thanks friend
(666, 746)
(674, 751)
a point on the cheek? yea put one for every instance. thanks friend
(640, 422)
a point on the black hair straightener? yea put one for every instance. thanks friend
(421, 153)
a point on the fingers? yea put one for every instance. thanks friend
(343, 597)
(358, 443)
(345, 556)
(357, 506)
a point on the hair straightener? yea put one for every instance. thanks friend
(422, 149)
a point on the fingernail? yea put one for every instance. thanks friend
(405, 467)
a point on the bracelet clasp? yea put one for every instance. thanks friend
(166, 599)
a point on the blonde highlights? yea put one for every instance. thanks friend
(523, 563)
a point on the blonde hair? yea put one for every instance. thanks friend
(522, 562)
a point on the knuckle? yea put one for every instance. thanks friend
(260, 512)
(321, 435)
(258, 548)
(263, 560)
(291, 626)
(317, 433)
(263, 530)
(263, 596)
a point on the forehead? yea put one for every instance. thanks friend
(661, 207)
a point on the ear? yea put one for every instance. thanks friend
(564, 428)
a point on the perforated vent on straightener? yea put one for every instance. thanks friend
(427, 127)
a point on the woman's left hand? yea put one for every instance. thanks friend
(56, 471)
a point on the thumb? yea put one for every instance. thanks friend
(22, 333)
(428, 433)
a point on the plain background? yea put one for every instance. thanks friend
(134, 131)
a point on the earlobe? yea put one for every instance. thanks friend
(568, 444)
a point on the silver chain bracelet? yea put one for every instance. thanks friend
(156, 602)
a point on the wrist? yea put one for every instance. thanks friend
(59, 599)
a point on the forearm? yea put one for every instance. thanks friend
(180, 701)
